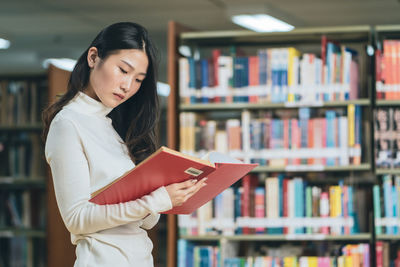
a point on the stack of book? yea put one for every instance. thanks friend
(282, 206)
(306, 138)
(272, 75)
(388, 70)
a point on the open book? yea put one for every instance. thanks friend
(167, 166)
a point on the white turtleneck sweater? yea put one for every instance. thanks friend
(85, 153)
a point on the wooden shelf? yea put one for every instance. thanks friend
(294, 237)
(240, 106)
(387, 237)
(387, 28)
(388, 102)
(361, 167)
(18, 182)
(22, 127)
(27, 232)
(304, 35)
(387, 171)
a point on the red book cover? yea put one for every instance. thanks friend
(216, 53)
(286, 136)
(378, 73)
(296, 139)
(323, 122)
(387, 70)
(379, 254)
(285, 203)
(249, 183)
(167, 166)
(311, 145)
(253, 77)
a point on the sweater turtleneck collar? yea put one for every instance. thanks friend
(83, 103)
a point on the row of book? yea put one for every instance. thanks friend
(352, 255)
(388, 70)
(387, 254)
(20, 102)
(281, 206)
(22, 252)
(387, 137)
(21, 209)
(190, 255)
(387, 205)
(330, 139)
(21, 155)
(273, 75)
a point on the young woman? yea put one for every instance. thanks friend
(97, 131)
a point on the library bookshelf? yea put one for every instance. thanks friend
(386, 107)
(189, 97)
(22, 171)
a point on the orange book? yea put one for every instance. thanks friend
(167, 166)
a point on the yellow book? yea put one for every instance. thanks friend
(348, 261)
(338, 200)
(292, 72)
(313, 261)
(351, 124)
(289, 262)
(332, 202)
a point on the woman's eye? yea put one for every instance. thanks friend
(139, 81)
(123, 71)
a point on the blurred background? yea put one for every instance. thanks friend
(39, 41)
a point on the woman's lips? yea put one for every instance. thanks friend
(119, 96)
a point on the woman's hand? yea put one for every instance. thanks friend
(180, 192)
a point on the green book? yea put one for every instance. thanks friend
(377, 208)
(308, 207)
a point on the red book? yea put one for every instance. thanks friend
(167, 166)
(379, 254)
(253, 77)
(311, 145)
(378, 73)
(249, 182)
(285, 203)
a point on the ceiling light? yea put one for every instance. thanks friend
(261, 23)
(61, 63)
(4, 44)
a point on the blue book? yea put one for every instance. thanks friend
(377, 208)
(204, 80)
(275, 76)
(262, 66)
(182, 249)
(304, 117)
(357, 124)
(238, 212)
(205, 257)
(350, 207)
(299, 202)
(330, 134)
(395, 208)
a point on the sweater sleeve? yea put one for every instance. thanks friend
(69, 167)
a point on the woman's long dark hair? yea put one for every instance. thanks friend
(135, 120)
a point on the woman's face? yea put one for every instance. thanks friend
(117, 78)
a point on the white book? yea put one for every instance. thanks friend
(184, 77)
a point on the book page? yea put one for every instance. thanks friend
(216, 157)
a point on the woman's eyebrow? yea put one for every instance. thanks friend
(130, 65)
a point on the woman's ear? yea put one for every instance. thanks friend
(92, 56)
